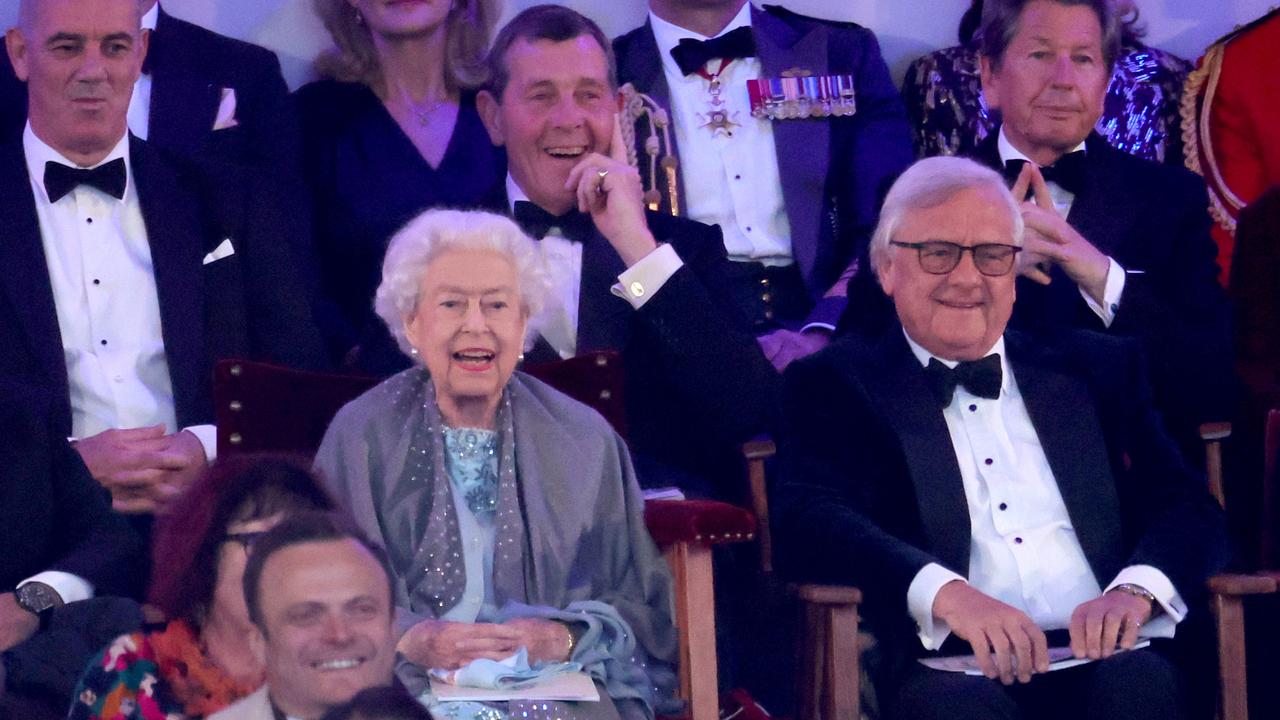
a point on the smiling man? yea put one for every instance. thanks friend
(319, 595)
(648, 286)
(1114, 243)
(994, 495)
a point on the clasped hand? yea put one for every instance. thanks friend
(1049, 239)
(144, 468)
(450, 645)
(1009, 646)
(610, 190)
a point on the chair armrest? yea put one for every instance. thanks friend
(1215, 431)
(761, 448)
(829, 594)
(704, 522)
(1242, 585)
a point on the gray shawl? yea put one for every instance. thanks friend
(586, 548)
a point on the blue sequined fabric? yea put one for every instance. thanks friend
(943, 94)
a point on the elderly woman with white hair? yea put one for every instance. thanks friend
(510, 512)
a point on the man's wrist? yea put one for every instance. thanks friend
(1139, 592)
(635, 247)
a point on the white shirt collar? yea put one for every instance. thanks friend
(924, 356)
(668, 35)
(514, 194)
(150, 17)
(38, 153)
(1009, 152)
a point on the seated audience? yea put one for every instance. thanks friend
(649, 286)
(531, 493)
(1232, 132)
(200, 93)
(62, 545)
(200, 660)
(995, 494)
(319, 595)
(1140, 114)
(1115, 243)
(390, 131)
(795, 198)
(134, 271)
(380, 703)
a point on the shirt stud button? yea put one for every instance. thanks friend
(973, 408)
(96, 281)
(1004, 506)
(104, 342)
(988, 461)
(1017, 541)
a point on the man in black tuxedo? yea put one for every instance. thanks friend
(640, 283)
(992, 494)
(200, 94)
(796, 198)
(1116, 244)
(130, 273)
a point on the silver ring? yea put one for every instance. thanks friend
(601, 175)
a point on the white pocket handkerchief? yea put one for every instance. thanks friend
(226, 117)
(224, 249)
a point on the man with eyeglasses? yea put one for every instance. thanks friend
(1011, 500)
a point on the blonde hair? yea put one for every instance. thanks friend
(354, 58)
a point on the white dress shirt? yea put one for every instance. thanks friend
(1024, 551)
(139, 117)
(558, 321)
(1062, 201)
(732, 182)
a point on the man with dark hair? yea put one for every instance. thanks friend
(133, 271)
(1013, 504)
(1115, 243)
(646, 285)
(319, 595)
(200, 93)
(794, 193)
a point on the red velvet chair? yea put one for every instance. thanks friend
(265, 408)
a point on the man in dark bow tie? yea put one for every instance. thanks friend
(795, 198)
(129, 273)
(1115, 243)
(992, 495)
(624, 279)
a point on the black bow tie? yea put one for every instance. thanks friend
(537, 222)
(1068, 172)
(980, 377)
(692, 54)
(60, 179)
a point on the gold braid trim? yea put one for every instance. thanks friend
(1197, 142)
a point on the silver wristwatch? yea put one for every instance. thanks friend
(38, 599)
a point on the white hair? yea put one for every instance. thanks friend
(930, 183)
(435, 232)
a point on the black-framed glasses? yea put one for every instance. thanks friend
(245, 539)
(939, 257)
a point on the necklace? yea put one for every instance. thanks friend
(421, 111)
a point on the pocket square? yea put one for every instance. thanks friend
(226, 117)
(223, 250)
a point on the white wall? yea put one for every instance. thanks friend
(906, 28)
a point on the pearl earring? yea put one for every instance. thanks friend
(413, 351)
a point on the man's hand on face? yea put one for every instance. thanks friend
(142, 467)
(16, 624)
(1006, 643)
(450, 645)
(1099, 626)
(1049, 239)
(615, 199)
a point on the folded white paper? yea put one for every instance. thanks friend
(575, 686)
(1060, 658)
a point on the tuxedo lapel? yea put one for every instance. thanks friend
(26, 283)
(1066, 422)
(1103, 212)
(642, 65)
(603, 318)
(174, 234)
(803, 147)
(896, 380)
(183, 106)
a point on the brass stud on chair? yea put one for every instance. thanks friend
(602, 360)
(236, 370)
(235, 405)
(605, 394)
(235, 439)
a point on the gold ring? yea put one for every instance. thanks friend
(601, 175)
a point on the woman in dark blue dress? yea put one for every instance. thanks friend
(391, 131)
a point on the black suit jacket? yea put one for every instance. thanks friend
(190, 66)
(1154, 221)
(250, 304)
(868, 467)
(834, 171)
(696, 382)
(53, 515)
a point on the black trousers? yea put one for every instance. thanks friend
(1137, 685)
